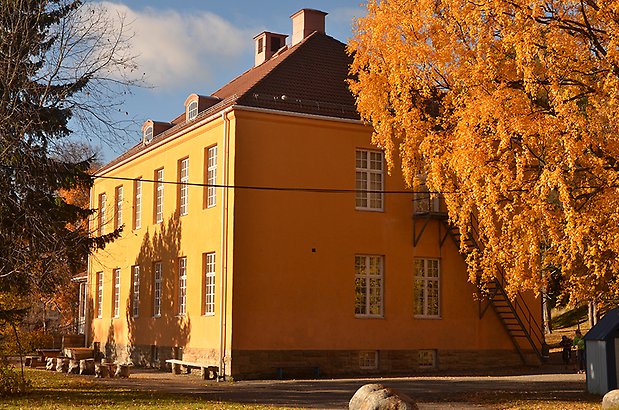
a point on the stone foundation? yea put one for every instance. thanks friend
(274, 364)
(266, 364)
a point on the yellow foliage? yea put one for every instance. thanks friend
(510, 110)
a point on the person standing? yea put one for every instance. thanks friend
(579, 343)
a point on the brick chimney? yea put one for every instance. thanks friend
(267, 44)
(305, 22)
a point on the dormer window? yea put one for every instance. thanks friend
(192, 110)
(148, 134)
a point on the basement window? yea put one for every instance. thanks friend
(368, 360)
(427, 359)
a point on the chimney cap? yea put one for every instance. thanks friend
(309, 10)
(271, 34)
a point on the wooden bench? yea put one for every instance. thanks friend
(207, 372)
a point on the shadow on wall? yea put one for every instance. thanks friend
(153, 338)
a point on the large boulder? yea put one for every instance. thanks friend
(611, 400)
(380, 397)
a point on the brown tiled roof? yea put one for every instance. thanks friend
(308, 78)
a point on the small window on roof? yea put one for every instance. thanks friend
(192, 110)
(260, 45)
(148, 134)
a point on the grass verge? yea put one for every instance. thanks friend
(51, 390)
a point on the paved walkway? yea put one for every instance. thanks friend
(430, 392)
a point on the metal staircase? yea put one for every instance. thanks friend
(520, 324)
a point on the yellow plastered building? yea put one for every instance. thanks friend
(263, 235)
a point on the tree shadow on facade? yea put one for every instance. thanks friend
(152, 338)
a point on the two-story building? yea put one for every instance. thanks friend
(262, 231)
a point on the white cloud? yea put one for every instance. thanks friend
(174, 49)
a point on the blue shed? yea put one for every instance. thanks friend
(602, 354)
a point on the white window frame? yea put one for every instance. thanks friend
(183, 197)
(148, 134)
(369, 280)
(116, 294)
(99, 295)
(426, 359)
(211, 176)
(192, 110)
(209, 283)
(368, 359)
(119, 206)
(157, 280)
(424, 202)
(159, 191)
(427, 284)
(102, 210)
(369, 180)
(135, 308)
(137, 204)
(182, 286)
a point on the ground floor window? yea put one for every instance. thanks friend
(427, 288)
(157, 289)
(209, 283)
(368, 286)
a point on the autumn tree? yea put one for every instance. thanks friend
(61, 63)
(510, 110)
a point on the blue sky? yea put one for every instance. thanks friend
(196, 46)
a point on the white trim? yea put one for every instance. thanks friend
(182, 286)
(367, 277)
(424, 280)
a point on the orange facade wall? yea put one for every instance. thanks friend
(285, 245)
(294, 251)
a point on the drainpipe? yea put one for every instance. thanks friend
(86, 312)
(224, 245)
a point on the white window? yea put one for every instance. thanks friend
(102, 201)
(209, 280)
(116, 295)
(427, 359)
(119, 207)
(157, 290)
(369, 180)
(192, 110)
(368, 286)
(148, 134)
(182, 286)
(136, 291)
(159, 196)
(183, 200)
(427, 288)
(137, 204)
(99, 294)
(368, 359)
(211, 176)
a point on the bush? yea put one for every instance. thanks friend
(11, 381)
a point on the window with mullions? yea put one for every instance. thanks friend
(102, 208)
(116, 294)
(183, 189)
(211, 176)
(99, 294)
(136, 291)
(427, 288)
(368, 286)
(369, 180)
(182, 286)
(119, 207)
(192, 110)
(157, 289)
(137, 204)
(209, 283)
(159, 196)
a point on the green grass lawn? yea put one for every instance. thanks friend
(51, 390)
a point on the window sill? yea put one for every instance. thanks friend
(209, 314)
(357, 316)
(424, 317)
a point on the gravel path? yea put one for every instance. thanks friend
(430, 392)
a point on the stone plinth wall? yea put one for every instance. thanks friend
(269, 364)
